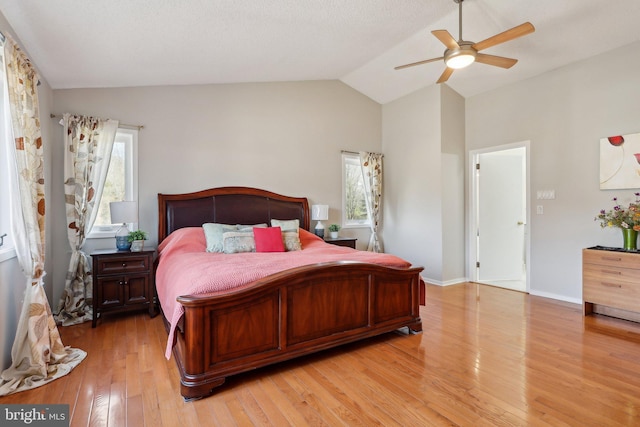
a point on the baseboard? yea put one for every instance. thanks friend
(445, 283)
(555, 296)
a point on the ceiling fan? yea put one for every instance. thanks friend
(462, 53)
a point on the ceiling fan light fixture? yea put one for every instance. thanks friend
(460, 58)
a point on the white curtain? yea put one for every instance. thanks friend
(371, 164)
(38, 355)
(88, 143)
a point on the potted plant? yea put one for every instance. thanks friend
(137, 238)
(333, 230)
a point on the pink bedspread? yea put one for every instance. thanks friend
(185, 268)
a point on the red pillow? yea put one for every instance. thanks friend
(268, 239)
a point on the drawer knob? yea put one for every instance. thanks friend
(124, 264)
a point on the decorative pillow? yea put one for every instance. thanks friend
(268, 239)
(286, 225)
(213, 233)
(245, 228)
(235, 242)
(289, 233)
(291, 240)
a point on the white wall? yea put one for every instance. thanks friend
(283, 137)
(411, 135)
(453, 184)
(564, 113)
(12, 280)
(423, 143)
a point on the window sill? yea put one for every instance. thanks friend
(101, 235)
(360, 225)
(7, 254)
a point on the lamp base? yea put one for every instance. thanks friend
(122, 243)
(122, 238)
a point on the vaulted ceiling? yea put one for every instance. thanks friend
(119, 43)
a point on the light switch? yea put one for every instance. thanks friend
(539, 210)
(546, 194)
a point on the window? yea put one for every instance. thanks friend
(6, 250)
(121, 183)
(354, 207)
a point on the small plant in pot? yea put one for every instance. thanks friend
(137, 238)
(333, 230)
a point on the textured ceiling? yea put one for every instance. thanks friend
(114, 43)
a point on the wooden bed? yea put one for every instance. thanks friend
(292, 313)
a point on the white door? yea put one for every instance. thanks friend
(501, 218)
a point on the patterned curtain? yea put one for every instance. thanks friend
(372, 173)
(88, 142)
(38, 355)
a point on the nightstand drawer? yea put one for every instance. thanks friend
(113, 265)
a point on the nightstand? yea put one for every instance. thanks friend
(342, 241)
(122, 281)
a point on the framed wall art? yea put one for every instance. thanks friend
(620, 162)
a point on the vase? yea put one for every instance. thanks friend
(137, 246)
(630, 238)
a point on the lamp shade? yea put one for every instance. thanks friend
(319, 212)
(123, 212)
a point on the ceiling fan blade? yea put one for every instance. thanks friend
(445, 75)
(446, 39)
(514, 33)
(426, 61)
(498, 61)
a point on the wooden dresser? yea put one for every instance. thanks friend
(611, 283)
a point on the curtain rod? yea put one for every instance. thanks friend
(352, 152)
(139, 127)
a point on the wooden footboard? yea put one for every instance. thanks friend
(293, 313)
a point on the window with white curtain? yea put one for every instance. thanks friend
(6, 249)
(121, 183)
(354, 205)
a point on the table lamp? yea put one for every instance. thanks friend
(319, 213)
(123, 213)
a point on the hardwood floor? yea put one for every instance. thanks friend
(506, 358)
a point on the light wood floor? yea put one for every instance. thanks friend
(505, 359)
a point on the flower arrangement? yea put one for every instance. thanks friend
(334, 227)
(621, 217)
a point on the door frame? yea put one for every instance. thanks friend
(472, 220)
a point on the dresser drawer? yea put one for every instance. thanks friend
(124, 264)
(611, 258)
(618, 288)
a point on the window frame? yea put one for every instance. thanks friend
(129, 136)
(350, 159)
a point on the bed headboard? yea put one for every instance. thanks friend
(227, 205)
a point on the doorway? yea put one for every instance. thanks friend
(499, 230)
